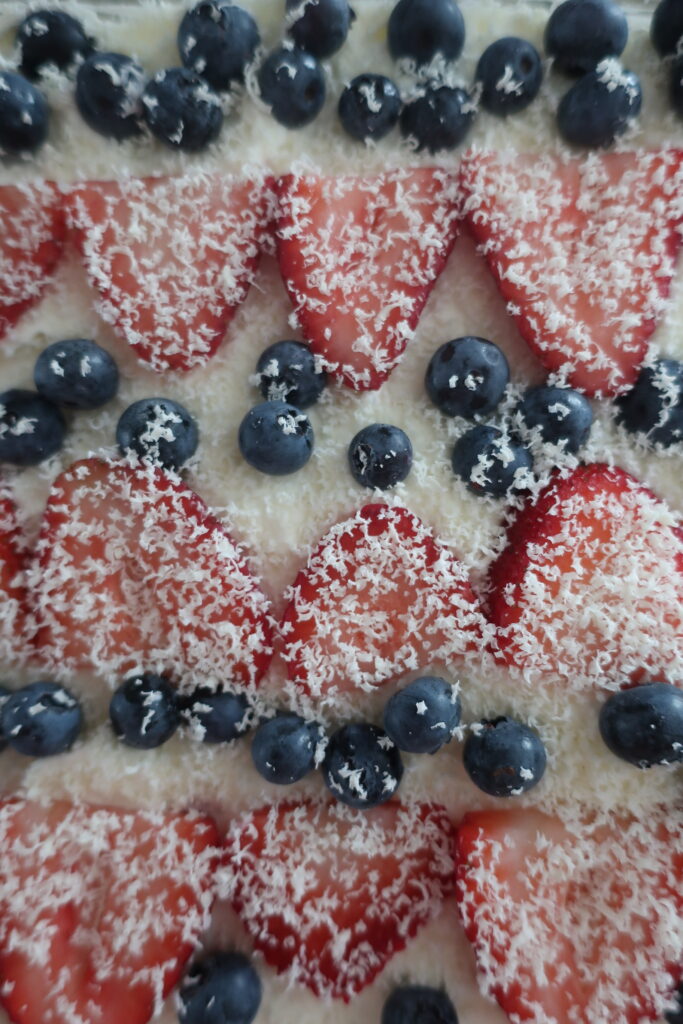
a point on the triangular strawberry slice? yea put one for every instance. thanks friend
(578, 923)
(583, 251)
(359, 257)
(99, 909)
(590, 585)
(329, 894)
(13, 625)
(134, 573)
(171, 258)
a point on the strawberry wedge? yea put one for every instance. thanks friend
(13, 624)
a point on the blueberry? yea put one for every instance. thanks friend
(145, 711)
(41, 719)
(362, 766)
(423, 716)
(654, 405)
(644, 725)
(76, 372)
(182, 110)
(158, 430)
(560, 415)
(491, 462)
(467, 377)
(676, 85)
(108, 94)
(600, 106)
(421, 29)
(581, 33)
(215, 716)
(418, 1004)
(320, 26)
(24, 115)
(369, 107)
(439, 119)
(504, 757)
(675, 1016)
(221, 988)
(291, 82)
(217, 40)
(31, 428)
(666, 29)
(50, 38)
(510, 74)
(4, 695)
(286, 748)
(287, 372)
(276, 438)
(380, 456)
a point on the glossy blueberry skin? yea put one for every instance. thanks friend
(182, 110)
(467, 377)
(220, 988)
(287, 373)
(284, 748)
(423, 716)
(524, 61)
(648, 408)
(419, 29)
(108, 94)
(380, 456)
(322, 27)
(24, 115)
(369, 107)
(581, 33)
(21, 447)
(418, 1004)
(562, 416)
(51, 38)
(481, 444)
(676, 1016)
(676, 85)
(644, 725)
(666, 28)
(215, 717)
(4, 694)
(359, 762)
(217, 40)
(292, 83)
(590, 114)
(501, 753)
(276, 438)
(41, 719)
(440, 119)
(144, 711)
(76, 372)
(141, 421)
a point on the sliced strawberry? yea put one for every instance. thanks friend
(583, 251)
(590, 585)
(134, 573)
(99, 909)
(329, 894)
(13, 626)
(359, 257)
(581, 923)
(171, 258)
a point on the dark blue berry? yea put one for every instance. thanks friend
(182, 110)
(439, 119)
(291, 82)
(504, 757)
(467, 377)
(423, 716)
(491, 462)
(510, 74)
(644, 725)
(600, 106)
(675, 1016)
(654, 405)
(31, 428)
(221, 988)
(421, 29)
(676, 84)
(4, 694)
(76, 372)
(321, 26)
(24, 115)
(108, 94)
(362, 765)
(581, 33)
(276, 438)
(287, 372)
(418, 1004)
(41, 719)
(380, 456)
(560, 415)
(666, 29)
(369, 107)
(215, 716)
(286, 748)
(158, 430)
(145, 711)
(51, 38)
(217, 40)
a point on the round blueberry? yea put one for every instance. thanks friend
(666, 28)
(291, 82)
(31, 428)
(362, 765)
(491, 462)
(144, 711)
(182, 110)
(676, 84)
(51, 38)
(24, 115)
(654, 405)
(581, 33)
(276, 438)
(158, 430)
(418, 1004)
(215, 716)
(467, 377)
(287, 372)
(217, 40)
(76, 372)
(675, 1016)
(504, 757)
(369, 107)
(320, 27)
(644, 725)
(108, 94)
(421, 29)
(600, 106)
(286, 748)
(221, 988)
(380, 456)
(510, 74)
(439, 119)
(423, 716)
(4, 695)
(41, 719)
(560, 415)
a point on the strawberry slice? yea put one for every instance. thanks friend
(583, 251)
(171, 258)
(13, 626)
(380, 597)
(359, 257)
(329, 894)
(99, 909)
(590, 585)
(134, 574)
(580, 923)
